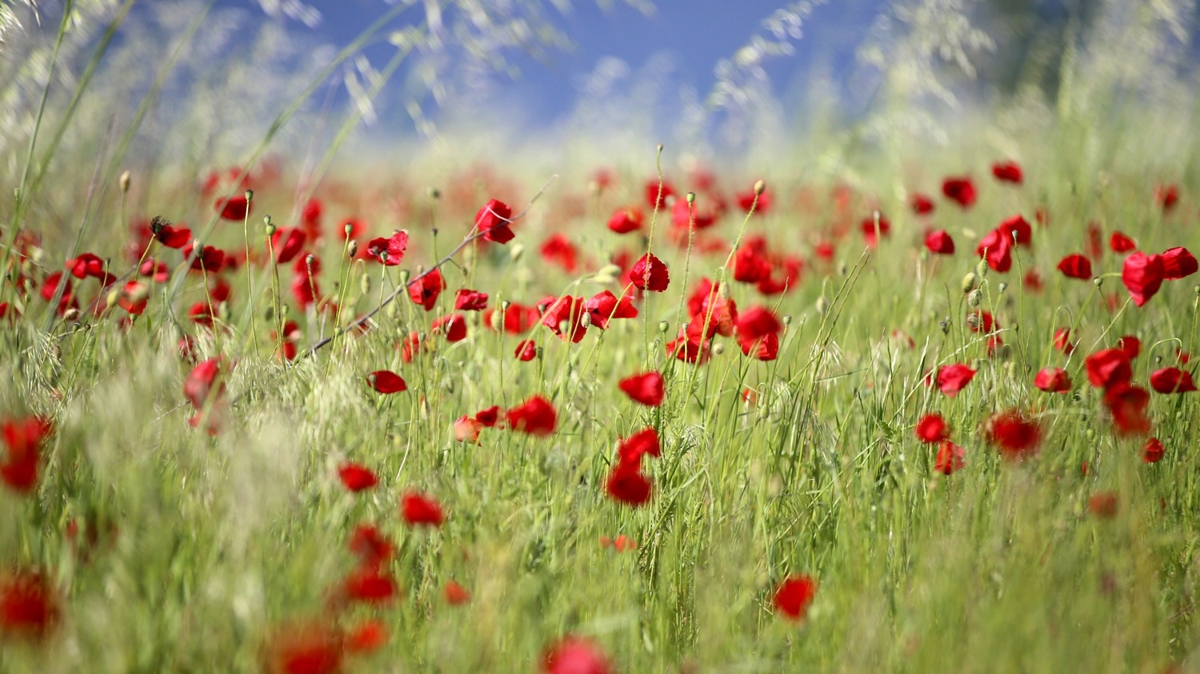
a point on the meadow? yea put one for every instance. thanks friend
(853, 401)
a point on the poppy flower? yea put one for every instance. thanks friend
(960, 190)
(357, 477)
(564, 317)
(1032, 281)
(932, 428)
(1016, 436)
(173, 237)
(388, 251)
(419, 509)
(1108, 367)
(287, 242)
(133, 297)
(470, 300)
(627, 484)
(1076, 266)
(1062, 341)
(235, 208)
(1132, 346)
(640, 444)
(424, 291)
(526, 350)
(657, 193)
(489, 416)
(604, 306)
(453, 327)
(921, 204)
(1152, 451)
(28, 604)
(1007, 172)
(1127, 404)
(351, 229)
(466, 429)
(209, 259)
(455, 594)
(996, 248)
(159, 271)
(535, 416)
(626, 220)
(367, 637)
(369, 585)
(558, 249)
(1143, 276)
(1172, 380)
(621, 543)
(371, 546)
(650, 273)
(794, 595)
(1119, 243)
(939, 242)
(645, 388)
(953, 378)
(950, 458)
(22, 440)
(199, 383)
(757, 322)
(305, 648)
(760, 202)
(386, 381)
(1167, 196)
(765, 348)
(304, 282)
(690, 348)
(750, 266)
(872, 229)
(494, 220)
(982, 321)
(86, 265)
(573, 655)
(1178, 263)
(1053, 380)
(1103, 505)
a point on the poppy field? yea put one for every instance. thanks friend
(931, 409)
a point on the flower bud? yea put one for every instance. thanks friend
(760, 187)
(981, 268)
(126, 179)
(364, 284)
(691, 198)
(352, 249)
(822, 305)
(516, 252)
(249, 195)
(969, 281)
(974, 298)
(663, 326)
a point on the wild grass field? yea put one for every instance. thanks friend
(911, 391)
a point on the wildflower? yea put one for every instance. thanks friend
(1178, 263)
(558, 249)
(939, 242)
(657, 193)
(1016, 436)
(640, 444)
(455, 594)
(1172, 380)
(305, 648)
(573, 655)
(367, 637)
(470, 300)
(1007, 172)
(932, 428)
(235, 208)
(645, 388)
(960, 190)
(419, 509)
(626, 220)
(1108, 367)
(424, 291)
(1103, 505)
(22, 439)
(133, 298)
(28, 604)
(199, 383)
(921, 204)
(794, 595)
(1119, 243)
(287, 242)
(1127, 405)
(526, 350)
(369, 585)
(389, 251)
(1076, 266)
(357, 477)
(1132, 346)
(604, 306)
(1166, 196)
(950, 458)
(621, 543)
(494, 220)
(535, 416)
(371, 546)
(1053, 380)
(564, 317)
(1062, 341)
(1143, 276)
(1152, 451)
(650, 273)
(953, 378)
(386, 382)
(627, 484)
(466, 429)
(453, 327)
(173, 237)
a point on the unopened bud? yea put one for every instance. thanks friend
(981, 268)
(586, 320)
(691, 198)
(974, 298)
(969, 281)
(517, 251)
(660, 148)
(348, 228)
(126, 179)
(787, 319)
(1098, 281)
(404, 277)
(270, 228)
(663, 326)
(718, 349)
(249, 195)
(364, 284)
(71, 314)
(1003, 286)
(822, 305)
(111, 300)
(759, 188)
(352, 249)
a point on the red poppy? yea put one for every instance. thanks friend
(495, 220)
(621, 543)
(921, 204)
(1172, 380)
(627, 484)
(1032, 281)
(386, 381)
(960, 190)
(564, 317)
(388, 251)
(420, 509)
(1152, 451)
(199, 383)
(650, 273)
(1016, 436)
(939, 242)
(575, 656)
(642, 443)
(28, 604)
(1062, 341)
(371, 546)
(514, 320)
(367, 637)
(1119, 243)
(455, 594)
(159, 271)
(1166, 196)
(489, 416)
(657, 194)
(424, 291)
(369, 585)
(1076, 266)
(466, 429)
(209, 259)
(690, 348)
(351, 229)
(1127, 404)
(1143, 276)
(1095, 241)
(604, 306)
(357, 477)
(1053, 380)
(558, 249)
(996, 248)
(470, 300)
(23, 439)
(133, 297)
(950, 458)
(626, 220)
(304, 281)
(287, 242)
(750, 266)
(1108, 367)
(173, 237)
(757, 322)
(87, 265)
(305, 648)
(953, 378)
(454, 327)
(645, 388)
(1007, 172)
(535, 416)
(526, 350)
(236, 208)
(765, 349)
(932, 428)
(1178, 263)
(794, 595)
(761, 202)
(1103, 505)
(872, 229)
(982, 321)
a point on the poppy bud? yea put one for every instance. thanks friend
(111, 300)
(516, 252)
(71, 314)
(787, 319)
(393, 312)
(269, 313)
(760, 187)
(352, 249)
(663, 325)
(981, 268)
(364, 284)
(309, 261)
(270, 226)
(660, 148)
(974, 298)
(586, 320)
(404, 277)
(1098, 281)
(348, 228)
(945, 326)
(691, 198)
(1003, 287)
(125, 180)
(822, 305)
(718, 349)
(249, 195)
(968, 282)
